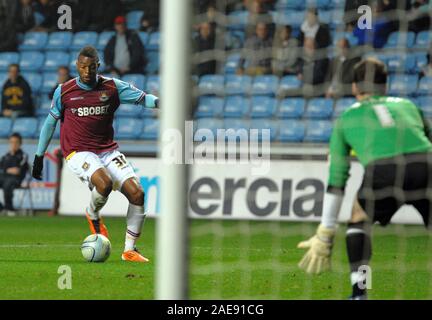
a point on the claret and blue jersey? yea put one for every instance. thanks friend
(87, 113)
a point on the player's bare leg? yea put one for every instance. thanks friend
(102, 187)
(133, 191)
(359, 249)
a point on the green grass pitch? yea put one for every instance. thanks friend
(228, 260)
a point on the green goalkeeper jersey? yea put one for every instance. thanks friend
(376, 128)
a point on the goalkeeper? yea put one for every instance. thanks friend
(391, 140)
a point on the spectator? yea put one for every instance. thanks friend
(46, 11)
(63, 75)
(377, 36)
(313, 69)
(340, 73)
(285, 52)
(258, 13)
(13, 168)
(16, 95)
(25, 16)
(427, 69)
(124, 52)
(312, 28)
(419, 16)
(204, 42)
(150, 18)
(256, 55)
(99, 15)
(8, 37)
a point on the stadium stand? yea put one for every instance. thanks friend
(227, 98)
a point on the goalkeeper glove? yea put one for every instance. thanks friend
(317, 258)
(37, 167)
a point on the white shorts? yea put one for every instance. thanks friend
(83, 164)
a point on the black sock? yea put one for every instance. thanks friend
(359, 251)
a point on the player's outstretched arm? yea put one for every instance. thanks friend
(129, 94)
(44, 140)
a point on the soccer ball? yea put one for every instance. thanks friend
(96, 248)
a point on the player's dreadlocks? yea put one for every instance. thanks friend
(370, 76)
(89, 52)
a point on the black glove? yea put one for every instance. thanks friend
(37, 167)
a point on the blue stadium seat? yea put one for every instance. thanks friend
(34, 79)
(425, 86)
(31, 61)
(153, 85)
(234, 39)
(423, 40)
(325, 16)
(293, 18)
(263, 107)
(237, 20)
(337, 19)
(34, 41)
(339, 4)
(421, 61)
(128, 128)
(211, 84)
(320, 4)
(265, 85)
(55, 59)
(103, 39)
(402, 63)
(59, 40)
(209, 107)
(319, 108)
(342, 104)
(7, 58)
(153, 62)
(318, 131)
(154, 41)
(403, 85)
(399, 39)
(82, 39)
(232, 63)
(425, 104)
(289, 84)
(235, 84)
(49, 80)
(150, 129)
(262, 124)
(133, 19)
(236, 129)
(282, 5)
(27, 127)
(291, 108)
(138, 80)
(144, 37)
(206, 123)
(44, 106)
(5, 127)
(291, 131)
(236, 107)
(3, 77)
(128, 110)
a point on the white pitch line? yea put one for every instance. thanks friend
(32, 245)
